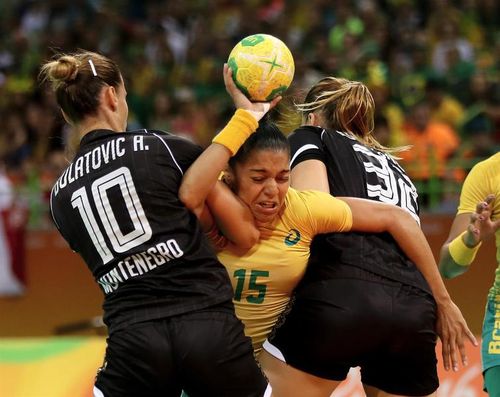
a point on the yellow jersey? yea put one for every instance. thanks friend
(484, 179)
(264, 277)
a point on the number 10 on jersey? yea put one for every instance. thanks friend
(120, 242)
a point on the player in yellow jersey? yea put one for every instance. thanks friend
(477, 219)
(287, 219)
(264, 276)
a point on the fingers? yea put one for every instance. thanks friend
(461, 345)
(482, 214)
(450, 350)
(463, 355)
(454, 346)
(481, 223)
(485, 205)
(238, 98)
(453, 355)
(471, 337)
(446, 354)
(259, 109)
(453, 332)
(275, 101)
(474, 231)
(227, 76)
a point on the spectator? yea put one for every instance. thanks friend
(164, 46)
(9, 284)
(478, 145)
(444, 108)
(433, 144)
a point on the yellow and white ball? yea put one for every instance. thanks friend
(262, 67)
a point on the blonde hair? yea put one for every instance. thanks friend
(346, 106)
(77, 80)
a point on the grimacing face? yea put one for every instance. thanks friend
(262, 182)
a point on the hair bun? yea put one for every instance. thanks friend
(64, 69)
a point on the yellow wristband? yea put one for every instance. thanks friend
(236, 132)
(460, 253)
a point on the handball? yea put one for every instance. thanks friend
(262, 67)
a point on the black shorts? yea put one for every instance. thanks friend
(204, 353)
(383, 326)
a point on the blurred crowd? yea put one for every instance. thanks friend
(433, 67)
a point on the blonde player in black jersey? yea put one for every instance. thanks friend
(363, 301)
(264, 276)
(167, 299)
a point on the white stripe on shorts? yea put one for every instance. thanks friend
(268, 391)
(273, 351)
(97, 392)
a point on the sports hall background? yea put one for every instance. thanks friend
(442, 53)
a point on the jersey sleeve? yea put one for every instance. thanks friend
(325, 213)
(475, 188)
(306, 144)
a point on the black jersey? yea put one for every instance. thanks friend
(117, 205)
(355, 170)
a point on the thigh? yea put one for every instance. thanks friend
(406, 363)
(139, 362)
(215, 356)
(287, 381)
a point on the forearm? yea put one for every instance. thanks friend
(412, 241)
(232, 216)
(202, 175)
(374, 217)
(448, 267)
(458, 254)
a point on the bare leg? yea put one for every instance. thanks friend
(375, 392)
(287, 381)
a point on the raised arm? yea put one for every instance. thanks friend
(371, 216)
(231, 215)
(466, 235)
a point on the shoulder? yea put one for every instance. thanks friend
(487, 166)
(176, 150)
(482, 180)
(168, 140)
(163, 135)
(306, 144)
(319, 212)
(305, 199)
(306, 131)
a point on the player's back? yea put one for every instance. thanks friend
(356, 170)
(117, 205)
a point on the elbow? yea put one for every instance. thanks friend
(251, 240)
(247, 241)
(189, 199)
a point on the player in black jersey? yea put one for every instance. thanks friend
(362, 302)
(167, 299)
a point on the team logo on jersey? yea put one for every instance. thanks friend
(292, 238)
